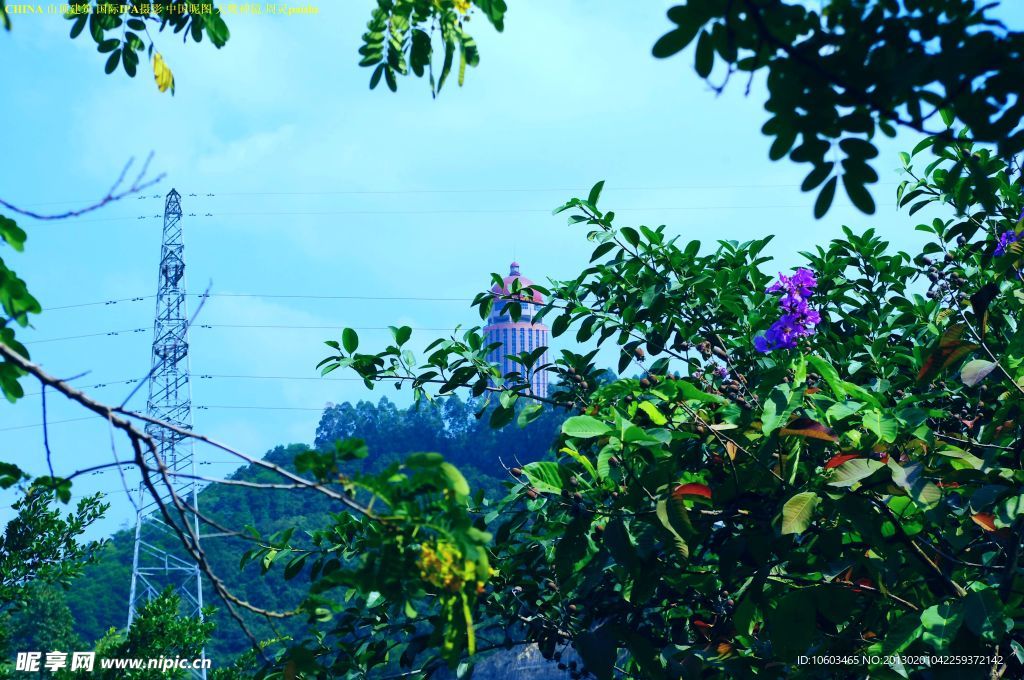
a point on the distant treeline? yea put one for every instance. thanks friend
(448, 426)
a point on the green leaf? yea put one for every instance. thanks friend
(883, 426)
(691, 392)
(584, 427)
(631, 235)
(529, 413)
(672, 514)
(797, 512)
(779, 407)
(842, 410)
(674, 41)
(983, 614)
(830, 374)
(456, 482)
(112, 62)
(705, 56)
(656, 416)
(401, 334)
(911, 479)
(12, 234)
(10, 474)
(902, 634)
(620, 544)
(824, 200)
(544, 476)
(350, 340)
(853, 471)
(940, 624)
(292, 569)
(859, 195)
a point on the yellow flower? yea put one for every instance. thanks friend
(439, 566)
(162, 73)
(463, 5)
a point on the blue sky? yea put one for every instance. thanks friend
(322, 187)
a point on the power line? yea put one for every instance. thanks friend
(50, 422)
(461, 211)
(461, 190)
(125, 331)
(97, 386)
(100, 302)
(340, 297)
(402, 298)
(261, 408)
(336, 327)
(214, 376)
(198, 408)
(86, 335)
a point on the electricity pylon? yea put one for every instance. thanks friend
(160, 560)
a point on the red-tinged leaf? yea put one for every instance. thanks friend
(950, 348)
(985, 520)
(958, 353)
(805, 427)
(692, 489)
(948, 485)
(812, 390)
(836, 461)
(702, 627)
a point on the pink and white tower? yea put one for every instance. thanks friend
(519, 336)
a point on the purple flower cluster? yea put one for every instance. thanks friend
(797, 320)
(1005, 239)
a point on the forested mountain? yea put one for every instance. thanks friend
(449, 426)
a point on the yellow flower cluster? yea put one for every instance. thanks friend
(162, 73)
(463, 6)
(439, 566)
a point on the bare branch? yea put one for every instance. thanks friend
(114, 194)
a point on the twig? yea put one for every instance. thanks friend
(46, 435)
(111, 196)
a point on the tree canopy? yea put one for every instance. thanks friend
(824, 462)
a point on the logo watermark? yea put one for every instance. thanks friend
(35, 662)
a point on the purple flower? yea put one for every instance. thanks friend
(798, 320)
(1005, 239)
(722, 372)
(800, 285)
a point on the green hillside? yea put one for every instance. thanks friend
(98, 599)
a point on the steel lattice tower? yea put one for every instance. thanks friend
(159, 560)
